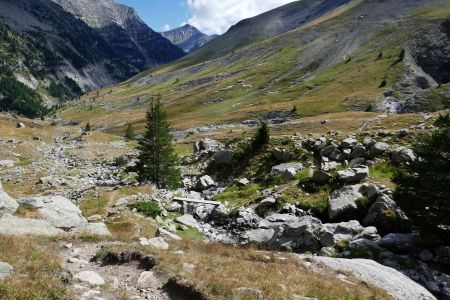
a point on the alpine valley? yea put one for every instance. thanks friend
(304, 153)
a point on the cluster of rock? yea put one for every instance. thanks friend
(55, 215)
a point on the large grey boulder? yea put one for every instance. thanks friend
(5, 270)
(379, 148)
(386, 216)
(260, 235)
(58, 211)
(390, 280)
(348, 143)
(11, 225)
(280, 169)
(208, 146)
(303, 234)
(399, 242)
(156, 242)
(93, 229)
(346, 203)
(355, 174)
(7, 204)
(402, 155)
(187, 220)
(204, 183)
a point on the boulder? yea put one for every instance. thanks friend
(11, 225)
(346, 202)
(321, 177)
(7, 204)
(5, 270)
(90, 277)
(379, 148)
(326, 152)
(281, 154)
(94, 229)
(208, 146)
(224, 157)
(58, 211)
(348, 143)
(344, 231)
(402, 155)
(390, 280)
(355, 174)
(399, 242)
(247, 218)
(267, 202)
(156, 242)
(20, 125)
(187, 220)
(204, 183)
(358, 152)
(303, 234)
(386, 216)
(289, 174)
(280, 169)
(167, 234)
(259, 236)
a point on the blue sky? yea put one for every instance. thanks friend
(210, 16)
(160, 13)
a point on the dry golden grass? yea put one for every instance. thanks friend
(221, 269)
(36, 267)
(129, 227)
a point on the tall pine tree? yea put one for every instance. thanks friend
(158, 161)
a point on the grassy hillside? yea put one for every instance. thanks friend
(345, 60)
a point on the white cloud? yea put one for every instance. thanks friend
(216, 16)
(166, 27)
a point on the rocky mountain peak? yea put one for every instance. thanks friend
(187, 37)
(100, 13)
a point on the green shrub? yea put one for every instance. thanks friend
(149, 209)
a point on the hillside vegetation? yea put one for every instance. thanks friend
(360, 57)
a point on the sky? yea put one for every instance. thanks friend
(210, 16)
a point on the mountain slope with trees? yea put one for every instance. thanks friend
(58, 53)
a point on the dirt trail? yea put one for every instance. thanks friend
(121, 280)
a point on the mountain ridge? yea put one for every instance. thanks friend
(188, 38)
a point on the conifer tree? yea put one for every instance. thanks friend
(423, 186)
(157, 160)
(88, 127)
(129, 134)
(262, 136)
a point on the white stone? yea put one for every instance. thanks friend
(90, 277)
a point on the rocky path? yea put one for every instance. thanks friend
(95, 281)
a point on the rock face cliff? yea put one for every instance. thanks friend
(188, 38)
(62, 48)
(120, 26)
